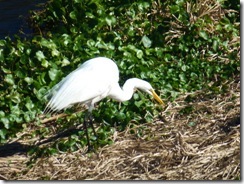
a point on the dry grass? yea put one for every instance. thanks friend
(203, 144)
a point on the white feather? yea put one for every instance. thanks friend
(94, 80)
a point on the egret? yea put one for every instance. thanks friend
(91, 82)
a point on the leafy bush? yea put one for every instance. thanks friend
(178, 46)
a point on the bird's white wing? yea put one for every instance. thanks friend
(91, 80)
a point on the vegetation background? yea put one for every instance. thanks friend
(187, 49)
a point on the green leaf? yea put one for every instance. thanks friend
(2, 114)
(5, 121)
(5, 70)
(27, 117)
(15, 97)
(184, 68)
(53, 73)
(9, 79)
(90, 43)
(73, 15)
(40, 94)
(29, 80)
(193, 75)
(78, 1)
(146, 41)
(204, 35)
(40, 56)
(48, 43)
(15, 110)
(139, 54)
(55, 52)
(182, 77)
(65, 62)
(66, 39)
(215, 45)
(3, 133)
(138, 103)
(143, 5)
(110, 20)
(131, 31)
(2, 43)
(29, 105)
(45, 63)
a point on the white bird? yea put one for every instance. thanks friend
(94, 80)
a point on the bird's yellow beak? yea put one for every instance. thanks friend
(159, 100)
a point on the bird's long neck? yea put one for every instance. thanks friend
(125, 93)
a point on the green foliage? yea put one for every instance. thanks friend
(178, 46)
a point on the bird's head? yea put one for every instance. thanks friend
(146, 87)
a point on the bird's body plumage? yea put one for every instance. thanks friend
(94, 80)
(78, 86)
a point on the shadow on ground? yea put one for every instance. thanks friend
(19, 148)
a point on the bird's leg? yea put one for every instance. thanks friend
(89, 121)
(86, 131)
